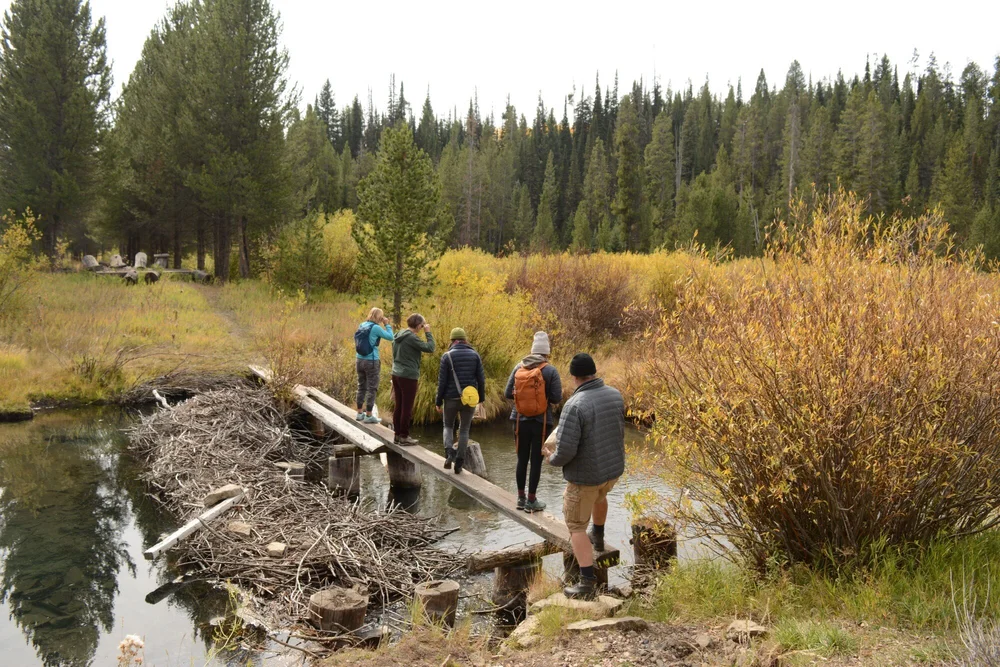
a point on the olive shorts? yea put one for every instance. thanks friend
(579, 501)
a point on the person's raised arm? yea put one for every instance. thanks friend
(427, 347)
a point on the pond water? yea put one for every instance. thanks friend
(74, 521)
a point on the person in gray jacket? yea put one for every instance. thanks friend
(590, 448)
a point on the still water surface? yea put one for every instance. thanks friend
(74, 521)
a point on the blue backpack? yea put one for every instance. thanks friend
(363, 339)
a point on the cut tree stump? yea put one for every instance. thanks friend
(403, 474)
(141, 260)
(439, 601)
(151, 277)
(474, 461)
(344, 476)
(338, 609)
(654, 542)
(511, 582)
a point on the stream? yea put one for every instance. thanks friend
(75, 519)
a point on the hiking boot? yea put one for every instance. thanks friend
(449, 456)
(458, 465)
(585, 589)
(596, 540)
(360, 417)
(535, 505)
(408, 441)
(371, 419)
(520, 502)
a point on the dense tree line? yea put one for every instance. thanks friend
(206, 152)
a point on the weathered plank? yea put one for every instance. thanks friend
(193, 526)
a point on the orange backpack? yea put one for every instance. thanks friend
(529, 391)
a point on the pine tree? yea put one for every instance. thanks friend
(313, 165)
(55, 84)
(628, 199)
(525, 222)
(303, 261)
(544, 238)
(660, 165)
(398, 249)
(427, 131)
(953, 188)
(326, 109)
(582, 237)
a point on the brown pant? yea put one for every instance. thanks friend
(404, 393)
(579, 501)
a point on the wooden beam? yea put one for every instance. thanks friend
(487, 561)
(193, 526)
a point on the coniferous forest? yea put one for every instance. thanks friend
(208, 150)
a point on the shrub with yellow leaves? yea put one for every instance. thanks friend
(840, 396)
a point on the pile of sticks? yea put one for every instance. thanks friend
(235, 436)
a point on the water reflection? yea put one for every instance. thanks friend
(63, 515)
(73, 523)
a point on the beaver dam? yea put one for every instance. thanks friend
(311, 557)
(237, 436)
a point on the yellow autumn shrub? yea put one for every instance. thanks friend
(838, 397)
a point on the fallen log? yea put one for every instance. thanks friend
(193, 526)
(490, 560)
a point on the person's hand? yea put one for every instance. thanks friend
(427, 328)
(385, 321)
(438, 408)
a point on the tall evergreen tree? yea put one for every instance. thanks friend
(398, 249)
(313, 166)
(326, 110)
(628, 198)
(55, 84)
(544, 238)
(660, 165)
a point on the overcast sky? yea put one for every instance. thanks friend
(523, 48)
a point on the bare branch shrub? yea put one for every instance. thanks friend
(840, 400)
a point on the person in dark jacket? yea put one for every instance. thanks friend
(462, 363)
(590, 448)
(406, 350)
(530, 432)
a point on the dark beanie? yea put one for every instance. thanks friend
(582, 366)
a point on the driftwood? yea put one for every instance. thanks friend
(193, 526)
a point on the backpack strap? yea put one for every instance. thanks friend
(454, 375)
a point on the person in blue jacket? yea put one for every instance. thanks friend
(368, 365)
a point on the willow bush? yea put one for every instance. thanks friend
(842, 399)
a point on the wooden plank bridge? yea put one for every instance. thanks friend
(377, 439)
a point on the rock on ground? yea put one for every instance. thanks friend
(622, 624)
(216, 496)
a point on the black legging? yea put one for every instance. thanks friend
(529, 447)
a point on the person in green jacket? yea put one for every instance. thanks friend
(406, 350)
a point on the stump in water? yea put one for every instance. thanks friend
(344, 476)
(654, 542)
(439, 601)
(474, 461)
(510, 582)
(403, 474)
(131, 277)
(151, 277)
(338, 609)
(141, 260)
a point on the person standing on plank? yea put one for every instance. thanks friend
(461, 387)
(406, 351)
(366, 340)
(535, 387)
(590, 448)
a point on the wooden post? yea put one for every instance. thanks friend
(439, 601)
(316, 427)
(510, 582)
(344, 476)
(572, 570)
(403, 474)
(338, 609)
(474, 461)
(654, 541)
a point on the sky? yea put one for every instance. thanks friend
(523, 49)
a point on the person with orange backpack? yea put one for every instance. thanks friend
(535, 387)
